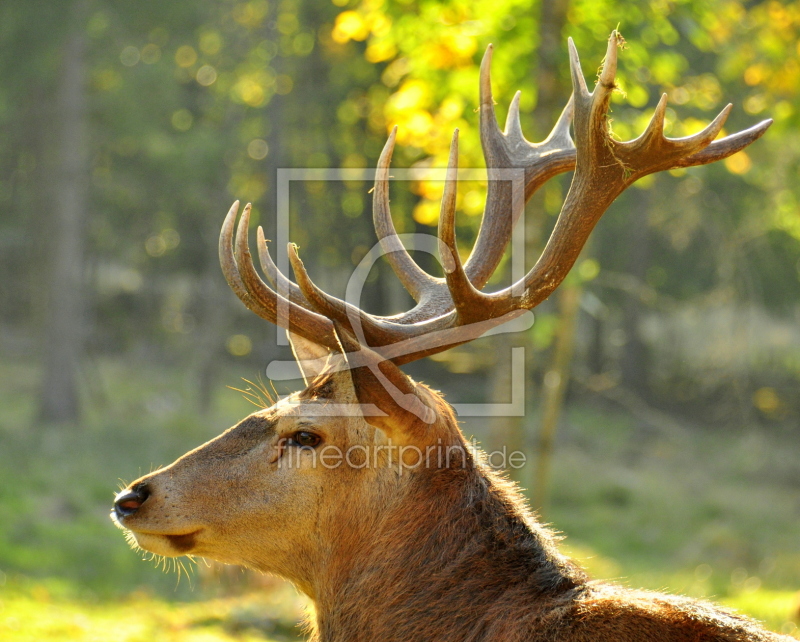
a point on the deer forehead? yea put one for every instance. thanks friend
(332, 420)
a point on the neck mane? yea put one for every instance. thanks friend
(459, 540)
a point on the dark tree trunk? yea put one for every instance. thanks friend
(553, 87)
(595, 359)
(215, 315)
(64, 329)
(552, 94)
(634, 361)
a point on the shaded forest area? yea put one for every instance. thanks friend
(129, 128)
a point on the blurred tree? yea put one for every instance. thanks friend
(66, 314)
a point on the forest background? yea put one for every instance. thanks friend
(662, 415)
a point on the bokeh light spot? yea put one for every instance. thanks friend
(185, 56)
(257, 149)
(182, 120)
(239, 345)
(129, 56)
(206, 75)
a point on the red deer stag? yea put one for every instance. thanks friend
(336, 500)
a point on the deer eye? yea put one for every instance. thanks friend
(305, 439)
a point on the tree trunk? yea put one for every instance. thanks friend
(556, 379)
(553, 88)
(64, 329)
(509, 431)
(553, 91)
(215, 315)
(506, 434)
(634, 360)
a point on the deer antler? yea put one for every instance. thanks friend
(454, 310)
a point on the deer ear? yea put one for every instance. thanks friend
(311, 357)
(380, 383)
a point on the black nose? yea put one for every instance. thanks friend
(129, 501)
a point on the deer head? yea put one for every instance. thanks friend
(398, 470)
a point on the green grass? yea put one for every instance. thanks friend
(777, 609)
(699, 512)
(716, 509)
(40, 612)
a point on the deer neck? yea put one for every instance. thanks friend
(456, 538)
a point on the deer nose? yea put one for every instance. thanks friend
(128, 502)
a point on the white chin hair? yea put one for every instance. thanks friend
(157, 544)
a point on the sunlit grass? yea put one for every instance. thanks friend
(35, 614)
(778, 610)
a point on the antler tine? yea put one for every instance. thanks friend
(488, 120)
(559, 135)
(371, 330)
(579, 88)
(413, 277)
(230, 269)
(255, 294)
(696, 142)
(662, 152)
(448, 252)
(463, 293)
(282, 284)
(324, 303)
(655, 128)
(504, 151)
(513, 128)
(590, 121)
(608, 71)
(604, 169)
(727, 146)
(259, 290)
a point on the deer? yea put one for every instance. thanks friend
(361, 489)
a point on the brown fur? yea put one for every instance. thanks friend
(441, 553)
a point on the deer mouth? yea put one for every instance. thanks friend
(183, 543)
(167, 544)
